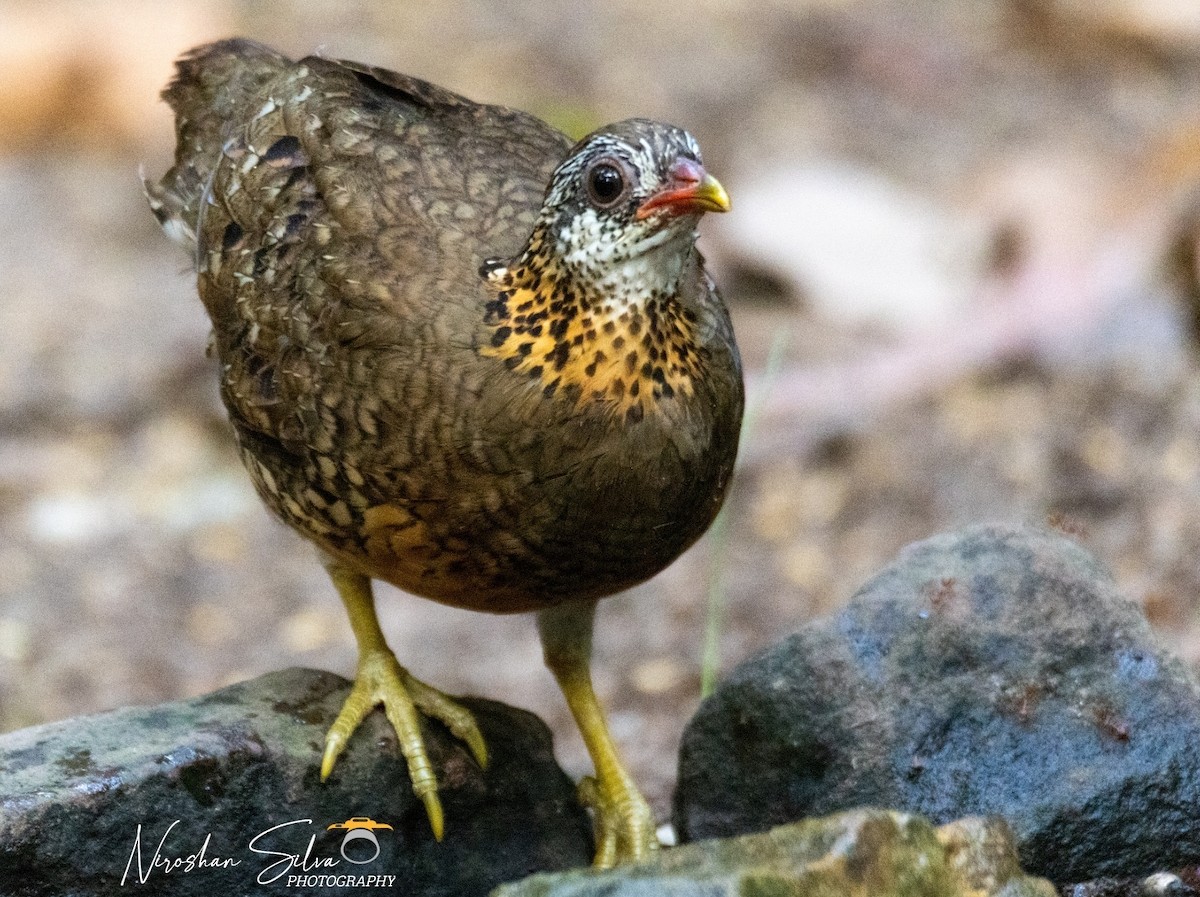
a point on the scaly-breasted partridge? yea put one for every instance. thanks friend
(461, 356)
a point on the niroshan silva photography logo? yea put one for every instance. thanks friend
(280, 855)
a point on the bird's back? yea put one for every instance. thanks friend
(267, 147)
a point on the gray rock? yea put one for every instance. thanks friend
(991, 671)
(1160, 884)
(874, 852)
(207, 777)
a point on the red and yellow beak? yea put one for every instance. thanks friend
(689, 189)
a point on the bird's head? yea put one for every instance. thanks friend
(623, 205)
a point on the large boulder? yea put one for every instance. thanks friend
(221, 795)
(991, 671)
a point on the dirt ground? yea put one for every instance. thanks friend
(961, 263)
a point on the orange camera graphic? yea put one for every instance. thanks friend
(359, 828)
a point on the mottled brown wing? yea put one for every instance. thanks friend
(343, 216)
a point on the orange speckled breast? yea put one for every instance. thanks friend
(592, 349)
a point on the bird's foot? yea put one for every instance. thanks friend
(625, 830)
(381, 680)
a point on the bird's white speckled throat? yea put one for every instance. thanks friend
(631, 264)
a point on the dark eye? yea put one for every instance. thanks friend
(605, 183)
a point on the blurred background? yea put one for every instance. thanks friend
(962, 264)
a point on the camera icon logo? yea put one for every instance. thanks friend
(359, 828)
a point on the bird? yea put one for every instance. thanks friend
(461, 354)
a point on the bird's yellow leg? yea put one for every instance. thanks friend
(624, 824)
(381, 680)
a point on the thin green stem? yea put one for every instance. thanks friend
(718, 534)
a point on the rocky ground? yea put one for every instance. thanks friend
(991, 680)
(958, 264)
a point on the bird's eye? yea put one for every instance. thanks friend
(605, 183)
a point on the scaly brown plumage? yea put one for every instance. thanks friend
(460, 356)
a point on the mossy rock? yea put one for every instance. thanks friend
(862, 853)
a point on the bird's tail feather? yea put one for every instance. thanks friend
(212, 86)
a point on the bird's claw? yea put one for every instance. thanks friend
(381, 680)
(625, 830)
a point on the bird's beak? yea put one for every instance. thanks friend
(689, 188)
